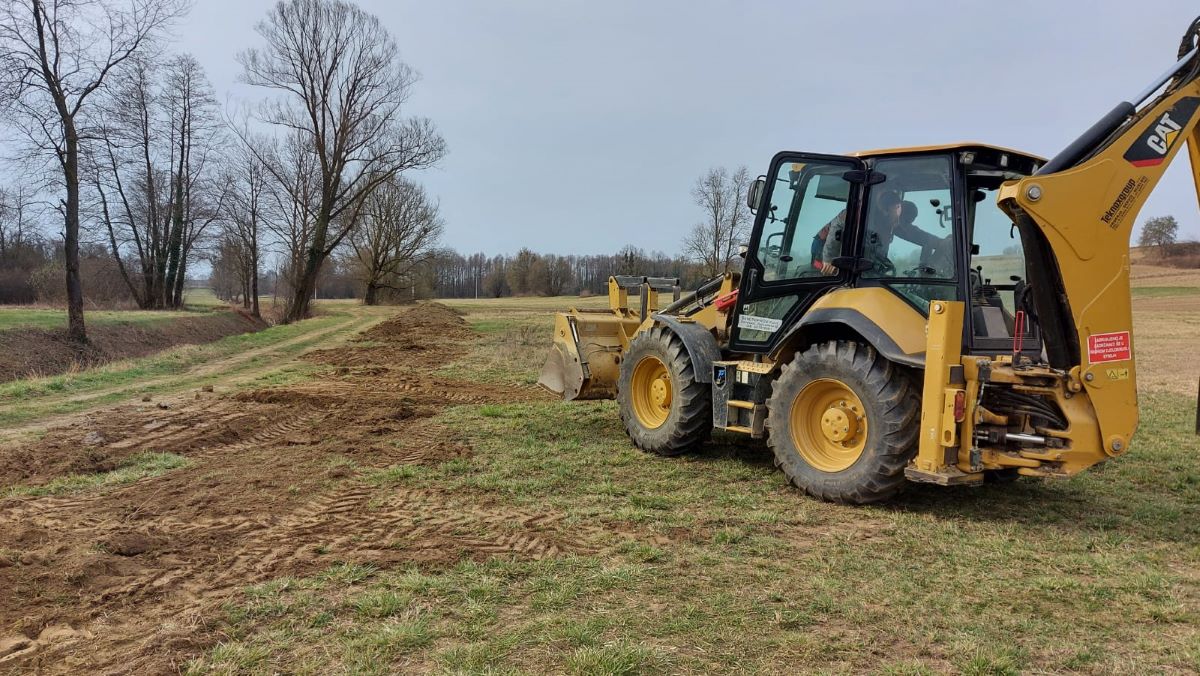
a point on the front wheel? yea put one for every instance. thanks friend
(666, 410)
(843, 423)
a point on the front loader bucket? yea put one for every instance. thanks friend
(584, 361)
(562, 373)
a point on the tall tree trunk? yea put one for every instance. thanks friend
(168, 287)
(254, 280)
(302, 294)
(174, 242)
(75, 326)
(116, 252)
(180, 279)
(372, 295)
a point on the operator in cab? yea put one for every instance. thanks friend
(894, 218)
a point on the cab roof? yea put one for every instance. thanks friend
(963, 145)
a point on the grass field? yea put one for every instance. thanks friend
(602, 560)
(26, 317)
(737, 572)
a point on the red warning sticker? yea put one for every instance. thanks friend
(1104, 347)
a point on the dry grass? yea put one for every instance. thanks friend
(1166, 336)
(1147, 270)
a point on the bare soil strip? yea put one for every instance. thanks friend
(133, 578)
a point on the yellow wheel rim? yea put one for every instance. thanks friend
(652, 392)
(828, 424)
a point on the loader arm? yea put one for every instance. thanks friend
(1079, 212)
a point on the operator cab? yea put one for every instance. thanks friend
(922, 223)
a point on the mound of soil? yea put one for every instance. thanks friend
(417, 328)
(43, 352)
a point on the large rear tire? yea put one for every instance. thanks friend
(665, 409)
(843, 423)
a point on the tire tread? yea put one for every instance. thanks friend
(898, 419)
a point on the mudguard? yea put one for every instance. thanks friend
(867, 311)
(701, 345)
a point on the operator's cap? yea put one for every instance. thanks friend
(889, 197)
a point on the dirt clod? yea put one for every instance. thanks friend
(130, 544)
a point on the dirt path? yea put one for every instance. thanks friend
(173, 384)
(279, 482)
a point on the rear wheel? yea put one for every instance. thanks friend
(843, 423)
(664, 408)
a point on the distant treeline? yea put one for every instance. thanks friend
(450, 274)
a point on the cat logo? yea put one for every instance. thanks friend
(1151, 148)
(1164, 134)
(1118, 374)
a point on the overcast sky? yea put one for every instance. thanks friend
(578, 127)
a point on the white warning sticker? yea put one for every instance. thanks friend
(759, 323)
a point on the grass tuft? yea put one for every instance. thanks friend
(129, 470)
(611, 660)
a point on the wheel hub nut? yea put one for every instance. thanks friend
(838, 426)
(660, 392)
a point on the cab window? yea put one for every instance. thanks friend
(910, 222)
(909, 234)
(996, 278)
(805, 198)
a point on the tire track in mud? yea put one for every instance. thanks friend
(150, 563)
(63, 511)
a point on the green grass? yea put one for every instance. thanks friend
(194, 301)
(1164, 291)
(728, 569)
(710, 563)
(15, 317)
(129, 470)
(204, 298)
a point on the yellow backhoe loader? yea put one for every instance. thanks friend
(940, 314)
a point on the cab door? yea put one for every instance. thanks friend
(807, 215)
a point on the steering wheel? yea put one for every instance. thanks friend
(921, 270)
(886, 267)
(935, 258)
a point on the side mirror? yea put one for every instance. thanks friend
(755, 193)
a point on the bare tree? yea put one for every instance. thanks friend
(399, 230)
(130, 184)
(341, 86)
(292, 195)
(713, 242)
(245, 210)
(227, 277)
(16, 218)
(198, 190)
(156, 173)
(54, 55)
